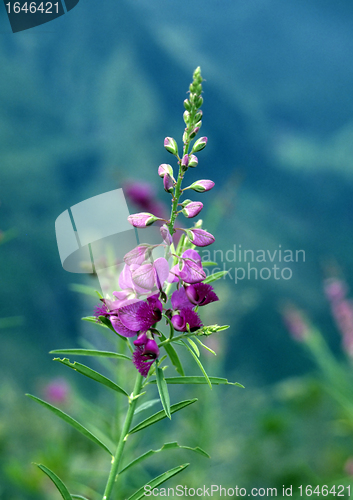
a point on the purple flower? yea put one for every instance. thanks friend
(168, 183)
(200, 237)
(191, 270)
(137, 255)
(193, 161)
(145, 353)
(192, 209)
(167, 237)
(201, 186)
(200, 294)
(199, 144)
(180, 300)
(171, 145)
(149, 275)
(184, 317)
(100, 310)
(142, 219)
(137, 317)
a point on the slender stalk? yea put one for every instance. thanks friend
(123, 437)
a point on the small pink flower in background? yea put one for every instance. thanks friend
(342, 311)
(143, 195)
(348, 467)
(295, 322)
(57, 391)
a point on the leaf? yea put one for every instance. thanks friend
(79, 497)
(199, 363)
(86, 290)
(163, 391)
(88, 372)
(191, 379)
(194, 346)
(171, 327)
(205, 346)
(174, 358)
(166, 446)
(161, 415)
(64, 492)
(208, 263)
(157, 481)
(215, 277)
(76, 425)
(90, 352)
(146, 405)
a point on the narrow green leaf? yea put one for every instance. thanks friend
(90, 352)
(163, 391)
(88, 372)
(174, 358)
(208, 263)
(161, 415)
(166, 446)
(86, 290)
(194, 346)
(199, 364)
(215, 277)
(79, 497)
(205, 346)
(190, 379)
(64, 492)
(157, 481)
(146, 405)
(76, 425)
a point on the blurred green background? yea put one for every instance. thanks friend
(86, 101)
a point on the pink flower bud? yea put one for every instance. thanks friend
(142, 219)
(165, 169)
(193, 161)
(199, 144)
(171, 145)
(167, 238)
(185, 161)
(200, 237)
(192, 209)
(201, 186)
(168, 183)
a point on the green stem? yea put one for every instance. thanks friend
(123, 437)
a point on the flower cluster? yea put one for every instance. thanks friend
(146, 295)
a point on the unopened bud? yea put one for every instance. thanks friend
(168, 183)
(171, 145)
(194, 132)
(199, 144)
(192, 209)
(142, 219)
(198, 102)
(185, 162)
(165, 169)
(187, 105)
(193, 161)
(186, 117)
(201, 186)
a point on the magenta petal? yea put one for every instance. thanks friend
(120, 328)
(180, 300)
(141, 361)
(174, 273)
(193, 255)
(128, 315)
(192, 273)
(200, 238)
(186, 316)
(201, 294)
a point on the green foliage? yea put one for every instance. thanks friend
(64, 492)
(158, 481)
